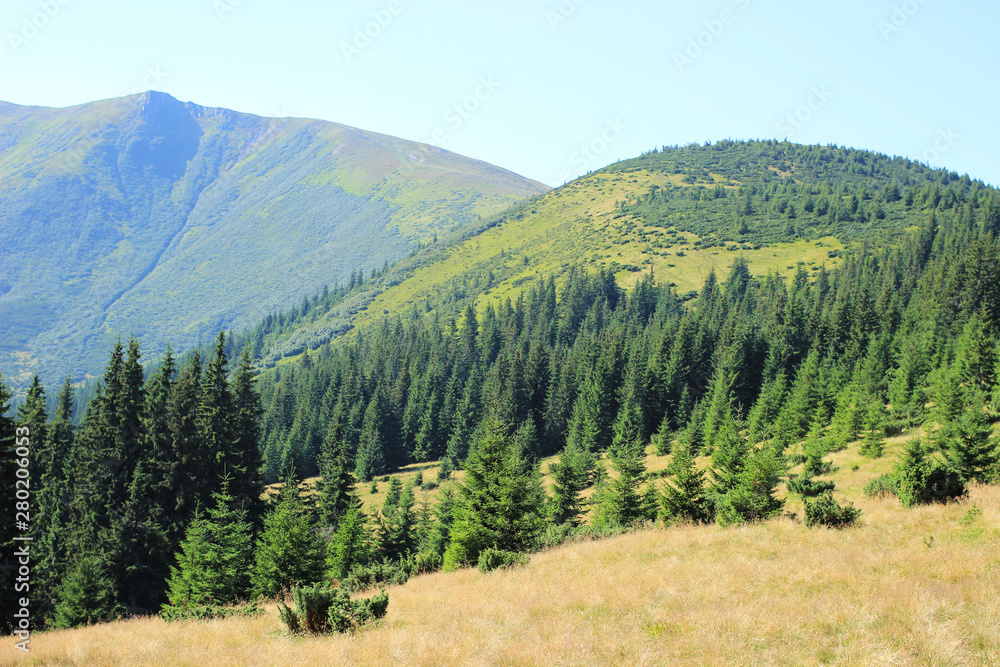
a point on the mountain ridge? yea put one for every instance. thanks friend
(118, 212)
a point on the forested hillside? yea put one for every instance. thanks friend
(740, 379)
(681, 212)
(167, 220)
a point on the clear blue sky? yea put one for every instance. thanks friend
(545, 88)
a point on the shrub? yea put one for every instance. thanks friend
(922, 479)
(808, 487)
(492, 559)
(319, 609)
(205, 612)
(826, 511)
(881, 486)
(389, 572)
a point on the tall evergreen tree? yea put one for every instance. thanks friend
(214, 563)
(288, 552)
(497, 504)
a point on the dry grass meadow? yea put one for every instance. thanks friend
(917, 587)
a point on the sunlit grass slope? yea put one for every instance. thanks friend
(578, 224)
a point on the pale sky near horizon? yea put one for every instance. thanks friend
(548, 88)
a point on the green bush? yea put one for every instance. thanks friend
(492, 559)
(390, 572)
(881, 486)
(826, 511)
(922, 479)
(205, 612)
(808, 487)
(320, 609)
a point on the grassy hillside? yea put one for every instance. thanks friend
(906, 587)
(679, 212)
(167, 220)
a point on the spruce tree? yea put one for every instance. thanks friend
(288, 552)
(683, 497)
(243, 460)
(396, 536)
(568, 479)
(215, 560)
(349, 546)
(336, 487)
(497, 504)
(969, 445)
(86, 597)
(51, 498)
(370, 459)
(215, 412)
(619, 503)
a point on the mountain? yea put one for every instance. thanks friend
(680, 212)
(145, 215)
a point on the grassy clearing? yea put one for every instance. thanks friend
(576, 224)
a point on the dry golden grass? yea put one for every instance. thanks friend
(917, 587)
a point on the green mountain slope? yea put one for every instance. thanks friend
(680, 212)
(148, 216)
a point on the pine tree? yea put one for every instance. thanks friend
(349, 546)
(396, 536)
(568, 479)
(336, 487)
(288, 552)
(215, 410)
(969, 445)
(214, 563)
(370, 459)
(497, 504)
(243, 461)
(683, 497)
(619, 502)
(86, 597)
